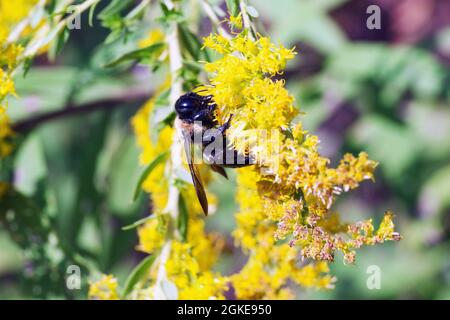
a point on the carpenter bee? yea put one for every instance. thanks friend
(195, 116)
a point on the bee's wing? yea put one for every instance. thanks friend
(195, 174)
(220, 170)
(227, 157)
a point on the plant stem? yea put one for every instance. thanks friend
(176, 64)
(246, 19)
(135, 97)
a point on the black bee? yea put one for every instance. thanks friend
(196, 119)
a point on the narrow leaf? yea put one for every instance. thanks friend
(183, 218)
(138, 223)
(233, 7)
(91, 13)
(140, 54)
(58, 44)
(115, 7)
(190, 41)
(147, 172)
(137, 274)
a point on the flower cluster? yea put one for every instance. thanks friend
(286, 200)
(9, 15)
(104, 289)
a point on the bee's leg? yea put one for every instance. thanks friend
(225, 126)
(212, 107)
(207, 98)
(204, 116)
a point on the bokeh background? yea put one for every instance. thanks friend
(385, 91)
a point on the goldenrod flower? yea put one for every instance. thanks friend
(11, 12)
(104, 289)
(154, 36)
(235, 22)
(151, 235)
(194, 280)
(289, 194)
(5, 134)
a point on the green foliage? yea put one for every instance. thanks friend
(145, 55)
(183, 218)
(147, 172)
(139, 273)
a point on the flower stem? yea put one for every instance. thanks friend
(246, 19)
(176, 64)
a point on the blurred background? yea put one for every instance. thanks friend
(384, 90)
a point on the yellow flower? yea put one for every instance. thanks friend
(285, 200)
(6, 134)
(154, 36)
(104, 289)
(4, 186)
(12, 12)
(152, 146)
(235, 22)
(184, 270)
(386, 229)
(311, 276)
(151, 235)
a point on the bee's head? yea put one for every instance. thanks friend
(191, 104)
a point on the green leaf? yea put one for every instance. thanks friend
(183, 218)
(147, 172)
(114, 8)
(138, 12)
(165, 9)
(233, 7)
(58, 44)
(193, 65)
(147, 53)
(137, 274)
(27, 63)
(91, 13)
(50, 6)
(138, 223)
(190, 41)
(170, 14)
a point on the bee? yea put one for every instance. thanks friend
(195, 116)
